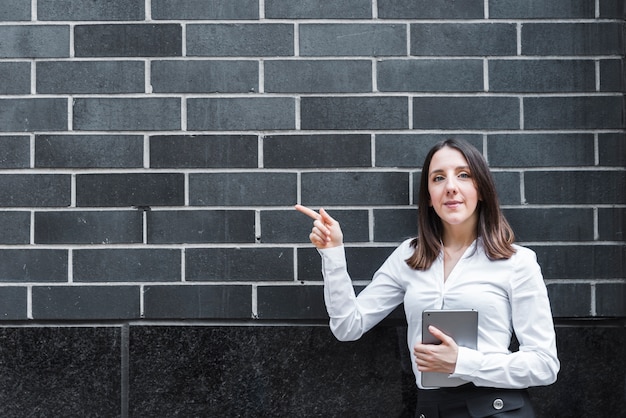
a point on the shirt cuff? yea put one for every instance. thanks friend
(467, 362)
(333, 258)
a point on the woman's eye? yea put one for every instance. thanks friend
(437, 178)
(464, 175)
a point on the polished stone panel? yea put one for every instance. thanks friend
(178, 370)
(60, 372)
(592, 380)
(265, 372)
(303, 371)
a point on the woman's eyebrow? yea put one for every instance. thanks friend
(459, 168)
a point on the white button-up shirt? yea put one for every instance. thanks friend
(509, 295)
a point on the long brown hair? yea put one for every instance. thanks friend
(492, 227)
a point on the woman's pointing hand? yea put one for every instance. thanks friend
(326, 232)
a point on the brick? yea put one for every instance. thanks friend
(127, 265)
(121, 114)
(240, 40)
(539, 9)
(198, 302)
(15, 227)
(570, 300)
(239, 264)
(466, 113)
(28, 115)
(291, 302)
(611, 75)
(363, 262)
(317, 151)
(309, 76)
(33, 265)
(90, 77)
(128, 40)
(394, 225)
(424, 9)
(14, 78)
(89, 151)
(554, 224)
(195, 226)
(586, 112)
(612, 224)
(279, 226)
(14, 152)
(258, 113)
(114, 10)
(327, 39)
(611, 299)
(309, 264)
(598, 38)
(130, 189)
(204, 76)
(508, 187)
(15, 10)
(85, 302)
(205, 10)
(612, 9)
(409, 150)
(540, 150)
(612, 149)
(581, 261)
(317, 9)
(42, 190)
(463, 39)
(242, 189)
(575, 187)
(347, 113)
(35, 41)
(88, 227)
(13, 303)
(355, 188)
(544, 76)
(403, 75)
(416, 176)
(204, 151)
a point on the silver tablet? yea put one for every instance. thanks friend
(461, 325)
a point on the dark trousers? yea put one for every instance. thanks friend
(469, 401)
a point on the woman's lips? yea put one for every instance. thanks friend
(452, 204)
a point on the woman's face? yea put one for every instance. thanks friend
(453, 194)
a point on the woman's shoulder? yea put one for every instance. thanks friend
(524, 260)
(523, 253)
(405, 249)
(522, 256)
(408, 244)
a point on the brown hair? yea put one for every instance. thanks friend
(493, 228)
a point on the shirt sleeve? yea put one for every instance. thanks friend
(351, 316)
(536, 362)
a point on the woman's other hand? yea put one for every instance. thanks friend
(439, 358)
(326, 232)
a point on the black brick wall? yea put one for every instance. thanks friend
(151, 153)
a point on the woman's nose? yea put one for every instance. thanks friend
(451, 186)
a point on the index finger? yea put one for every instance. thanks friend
(308, 212)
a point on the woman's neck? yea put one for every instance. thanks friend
(456, 239)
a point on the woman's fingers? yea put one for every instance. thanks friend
(308, 212)
(437, 357)
(326, 231)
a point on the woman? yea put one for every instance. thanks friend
(463, 258)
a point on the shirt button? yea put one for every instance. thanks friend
(498, 404)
